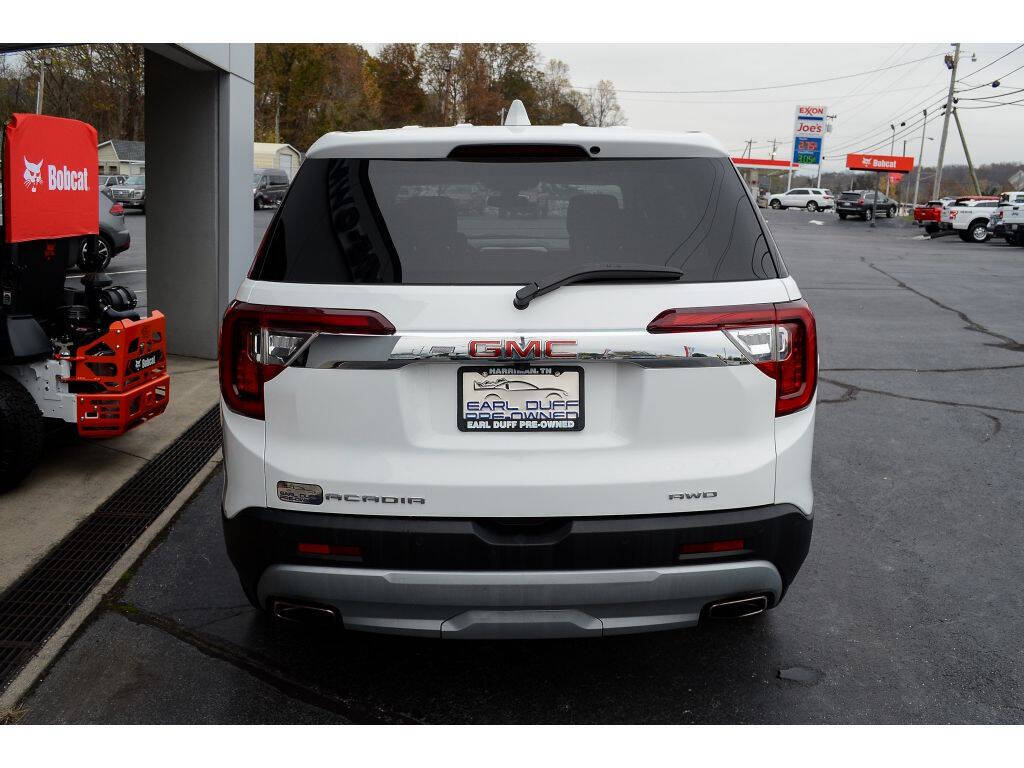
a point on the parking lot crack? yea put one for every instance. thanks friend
(951, 403)
(1006, 342)
(850, 393)
(968, 369)
(260, 668)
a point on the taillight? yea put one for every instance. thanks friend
(860, 201)
(780, 339)
(258, 342)
(117, 209)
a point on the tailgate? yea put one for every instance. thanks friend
(670, 422)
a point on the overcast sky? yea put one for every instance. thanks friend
(864, 106)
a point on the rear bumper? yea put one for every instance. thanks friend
(520, 604)
(485, 578)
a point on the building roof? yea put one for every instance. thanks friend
(265, 146)
(416, 142)
(128, 151)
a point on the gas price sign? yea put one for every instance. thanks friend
(807, 151)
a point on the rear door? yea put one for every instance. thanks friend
(473, 408)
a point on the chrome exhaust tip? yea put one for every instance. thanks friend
(738, 609)
(303, 613)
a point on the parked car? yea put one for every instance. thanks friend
(811, 198)
(114, 235)
(525, 515)
(112, 181)
(968, 217)
(862, 204)
(269, 186)
(928, 215)
(131, 194)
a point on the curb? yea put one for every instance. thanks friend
(35, 668)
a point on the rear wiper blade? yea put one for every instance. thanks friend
(585, 273)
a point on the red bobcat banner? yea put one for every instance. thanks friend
(50, 184)
(887, 163)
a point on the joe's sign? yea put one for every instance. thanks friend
(883, 163)
(49, 178)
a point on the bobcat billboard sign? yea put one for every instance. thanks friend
(882, 163)
(49, 178)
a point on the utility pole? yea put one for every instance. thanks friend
(277, 121)
(39, 88)
(821, 152)
(951, 62)
(967, 152)
(920, 156)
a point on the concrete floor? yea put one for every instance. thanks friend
(76, 475)
(909, 608)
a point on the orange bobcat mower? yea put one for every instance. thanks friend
(82, 354)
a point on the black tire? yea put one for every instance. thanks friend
(867, 215)
(775, 205)
(842, 216)
(964, 236)
(21, 432)
(890, 212)
(978, 232)
(812, 206)
(106, 247)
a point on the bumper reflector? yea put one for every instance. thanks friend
(308, 548)
(711, 547)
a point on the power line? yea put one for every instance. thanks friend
(998, 104)
(972, 74)
(760, 88)
(788, 100)
(882, 130)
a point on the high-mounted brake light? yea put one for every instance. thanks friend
(258, 342)
(780, 339)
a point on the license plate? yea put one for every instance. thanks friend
(520, 399)
(142, 363)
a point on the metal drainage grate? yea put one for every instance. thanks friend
(43, 598)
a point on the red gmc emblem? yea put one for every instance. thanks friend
(521, 348)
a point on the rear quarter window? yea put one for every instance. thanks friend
(511, 222)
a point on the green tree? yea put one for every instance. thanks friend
(392, 79)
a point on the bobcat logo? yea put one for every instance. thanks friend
(32, 176)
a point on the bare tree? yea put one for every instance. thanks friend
(601, 105)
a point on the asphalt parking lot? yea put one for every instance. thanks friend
(909, 608)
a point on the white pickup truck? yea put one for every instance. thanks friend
(968, 217)
(1007, 200)
(1011, 220)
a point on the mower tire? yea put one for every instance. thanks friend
(21, 432)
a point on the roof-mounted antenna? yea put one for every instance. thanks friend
(517, 114)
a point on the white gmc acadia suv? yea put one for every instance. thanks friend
(517, 381)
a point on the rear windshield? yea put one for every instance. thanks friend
(492, 222)
(851, 196)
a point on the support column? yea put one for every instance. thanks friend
(199, 222)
